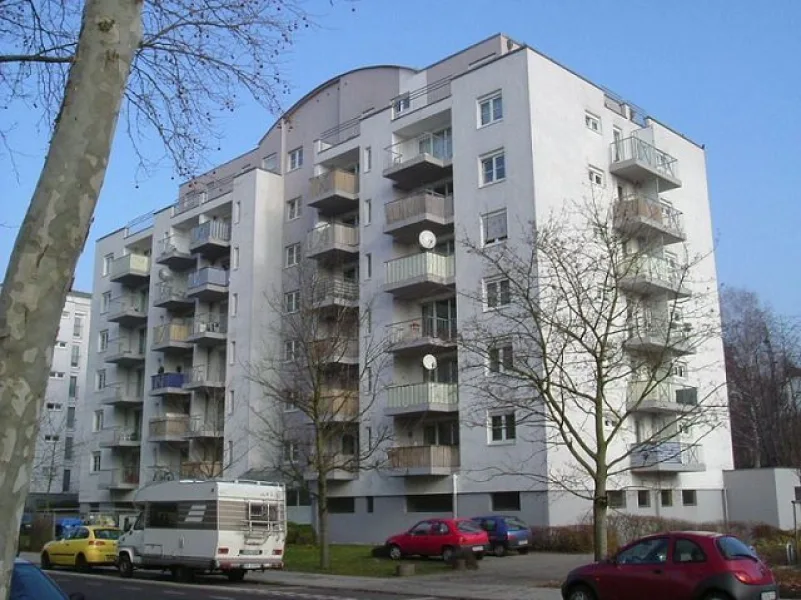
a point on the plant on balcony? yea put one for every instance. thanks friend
(570, 358)
(319, 377)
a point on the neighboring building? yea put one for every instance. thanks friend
(58, 450)
(381, 153)
(771, 496)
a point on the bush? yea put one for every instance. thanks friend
(571, 539)
(301, 535)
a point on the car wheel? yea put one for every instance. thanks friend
(45, 561)
(80, 563)
(395, 552)
(236, 575)
(447, 554)
(716, 596)
(499, 550)
(125, 566)
(580, 592)
(523, 551)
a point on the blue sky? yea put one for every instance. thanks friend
(724, 72)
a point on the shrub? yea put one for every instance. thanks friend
(300, 534)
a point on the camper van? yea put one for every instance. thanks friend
(190, 527)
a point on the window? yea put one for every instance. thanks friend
(648, 552)
(342, 505)
(295, 159)
(592, 122)
(401, 105)
(73, 393)
(368, 266)
(290, 350)
(370, 501)
(368, 379)
(100, 379)
(689, 498)
(502, 501)
(496, 293)
(237, 212)
(493, 227)
(230, 460)
(51, 438)
(107, 260)
(368, 159)
(54, 406)
(270, 162)
(349, 444)
(291, 453)
(229, 409)
(292, 301)
(430, 503)
(232, 352)
(368, 320)
(500, 357)
(687, 551)
(490, 109)
(234, 304)
(732, 548)
(293, 208)
(97, 420)
(616, 498)
(292, 255)
(105, 302)
(162, 515)
(595, 176)
(61, 344)
(65, 314)
(679, 370)
(102, 342)
(68, 446)
(666, 497)
(368, 211)
(643, 498)
(75, 356)
(77, 325)
(235, 258)
(493, 168)
(70, 417)
(57, 374)
(95, 464)
(66, 481)
(502, 427)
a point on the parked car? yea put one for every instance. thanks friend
(28, 581)
(676, 566)
(82, 547)
(439, 537)
(505, 533)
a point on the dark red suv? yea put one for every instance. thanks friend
(682, 565)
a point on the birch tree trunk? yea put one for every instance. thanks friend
(50, 241)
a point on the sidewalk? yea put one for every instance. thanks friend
(425, 586)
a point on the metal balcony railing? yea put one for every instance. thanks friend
(203, 426)
(175, 426)
(337, 135)
(419, 205)
(423, 265)
(211, 231)
(436, 145)
(118, 435)
(208, 276)
(420, 98)
(188, 202)
(200, 374)
(337, 288)
(127, 304)
(170, 291)
(176, 332)
(167, 380)
(666, 455)
(331, 236)
(125, 477)
(661, 394)
(424, 327)
(208, 469)
(422, 395)
(636, 206)
(172, 244)
(211, 323)
(633, 148)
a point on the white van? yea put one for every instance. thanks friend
(189, 527)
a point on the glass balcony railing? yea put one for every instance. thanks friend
(423, 396)
(130, 265)
(440, 328)
(417, 206)
(427, 265)
(666, 456)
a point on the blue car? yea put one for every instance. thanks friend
(28, 582)
(505, 534)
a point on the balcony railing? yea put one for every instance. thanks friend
(167, 380)
(170, 333)
(188, 202)
(655, 271)
(205, 374)
(635, 149)
(130, 265)
(119, 393)
(434, 145)
(170, 292)
(336, 288)
(643, 209)
(122, 478)
(661, 395)
(125, 348)
(211, 323)
(211, 232)
(127, 306)
(334, 350)
(420, 98)
(426, 265)
(443, 397)
(164, 427)
(202, 426)
(172, 244)
(334, 181)
(339, 134)
(425, 327)
(208, 276)
(419, 205)
(666, 456)
(121, 437)
(424, 458)
(202, 469)
(660, 331)
(339, 403)
(331, 237)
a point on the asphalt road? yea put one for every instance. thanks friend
(159, 587)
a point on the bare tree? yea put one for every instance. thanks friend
(177, 64)
(319, 380)
(582, 327)
(763, 360)
(58, 448)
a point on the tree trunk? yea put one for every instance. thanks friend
(50, 241)
(599, 517)
(322, 521)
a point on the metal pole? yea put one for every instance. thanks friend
(795, 531)
(455, 496)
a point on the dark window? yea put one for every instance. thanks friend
(342, 505)
(440, 528)
(515, 524)
(370, 503)
(488, 525)
(643, 498)
(422, 528)
(433, 503)
(616, 498)
(687, 551)
(68, 447)
(81, 534)
(505, 501)
(731, 548)
(29, 583)
(666, 497)
(647, 552)
(689, 498)
(162, 515)
(468, 527)
(66, 480)
(107, 534)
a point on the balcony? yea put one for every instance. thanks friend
(169, 429)
(420, 161)
(411, 461)
(209, 330)
(167, 384)
(419, 275)
(125, 353)
(172, 337)
(120, 438)
(653, 276)
(335, 292)
(127, 311)
(131, 269)
(657, 336)
(171, 295)
(201, 470)
(408, 216)
(202, 427)
(639, 161)
(204, 376)
(641, 216)
(211, 239)
(422, 336)
(190, 201)
(661, 397)
(422, 398)
(121, 479)
(341, 468)
(333, 242)
(173, 252)
(338, 405)
(334, 192)
(329, 140)
(120, 395)
(335, 350)
(208, 285)
(666, 457)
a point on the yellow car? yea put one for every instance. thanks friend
(82, 547)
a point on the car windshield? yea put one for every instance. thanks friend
(107, 534)
(29, 583)
(732, 548)
(468, 527)
(515, 524)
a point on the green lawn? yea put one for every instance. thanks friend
(351, 560)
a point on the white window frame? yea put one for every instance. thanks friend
(592, 122)
(293, 208)
(292, 255)
(290, 352)
(401, 105)
(493, 158)
(368, 265)
(98, 420)
(237, 212)
(235, 258)
(100, 379)
(485, 218)
(368, 159)
(290, 453)
(503, 415)
(95, 462)
(107, 260)
(292, 301)
(105, 302)
(490, 101)
(294, 159)
(505, 352)
(368, 211)
(229, 404)
(596, 176)
(492, 282)
(102, 341)
(234, 306)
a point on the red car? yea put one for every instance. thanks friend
(439, 537)
(682, 565)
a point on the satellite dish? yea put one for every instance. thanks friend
(165, 274)
(427, 239)
(429, 362)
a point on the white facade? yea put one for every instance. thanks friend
(58, 450)
(383, 153)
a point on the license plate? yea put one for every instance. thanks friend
(478, 548)
(251, 566)
(768, 596)
(249, 552)
(522, 542)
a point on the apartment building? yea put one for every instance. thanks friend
(473, 145)
(56, 469)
